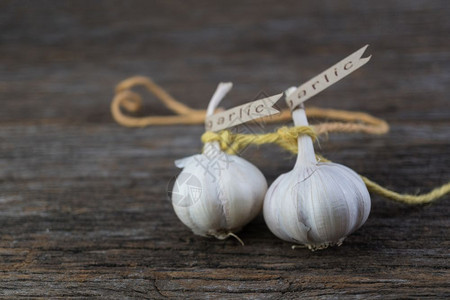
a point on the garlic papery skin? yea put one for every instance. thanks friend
(317, 204)
(216, 194)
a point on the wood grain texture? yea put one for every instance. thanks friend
(83, 205)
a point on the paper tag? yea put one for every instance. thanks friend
(265, 107)
(327, 78)
(243, 113)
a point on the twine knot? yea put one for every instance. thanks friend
(225, 138)
(291, 134)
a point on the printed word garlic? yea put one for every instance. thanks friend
(317, 204)
(216, 194)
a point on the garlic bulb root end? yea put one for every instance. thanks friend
(319, 246)
(222, 235)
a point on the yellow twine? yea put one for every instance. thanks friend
(126, 99)
(403, 198)
(285, 137)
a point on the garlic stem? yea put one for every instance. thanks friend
(306, 154)
(211, 149)
(221, 91)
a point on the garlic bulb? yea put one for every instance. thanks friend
(216, 194)
(317, 204)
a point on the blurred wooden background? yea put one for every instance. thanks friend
(83, 206)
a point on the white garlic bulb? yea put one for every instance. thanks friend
(317, 204)
(216, 194)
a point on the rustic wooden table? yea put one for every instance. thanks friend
(83, 205)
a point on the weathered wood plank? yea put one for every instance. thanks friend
(83, 205)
